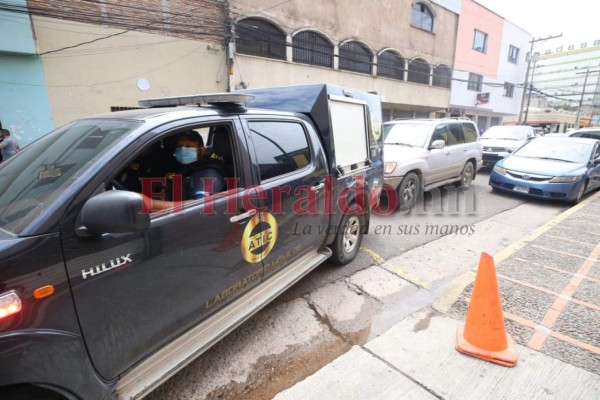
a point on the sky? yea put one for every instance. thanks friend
(577, 20)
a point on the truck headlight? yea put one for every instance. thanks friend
(390, 167)
(565, 179)
(10, 304)
(499, 170)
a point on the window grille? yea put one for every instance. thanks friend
(418, 71)
(390, 65)
(442, 76)
(260, 38)
(355, 57)
(312, 48)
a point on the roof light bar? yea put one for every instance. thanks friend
(10, 304)
(199, 99)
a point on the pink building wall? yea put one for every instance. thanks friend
(475, 16)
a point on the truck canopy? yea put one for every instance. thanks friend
(348, 121)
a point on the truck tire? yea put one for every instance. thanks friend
(409, 191)
(347, 240)
(28, 392)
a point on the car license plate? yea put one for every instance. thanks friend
(522, 189)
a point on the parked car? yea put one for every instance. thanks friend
(558, 168)
(501, 140)
(102, 298)
(421, 154)
(592, 133)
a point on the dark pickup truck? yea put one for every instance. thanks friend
(103, 296)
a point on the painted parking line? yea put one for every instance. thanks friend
(539, 337)
(376, 257)
(458, 285)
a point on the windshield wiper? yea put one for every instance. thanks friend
(555, 159)
(399, 144)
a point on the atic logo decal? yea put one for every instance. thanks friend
(259, 237)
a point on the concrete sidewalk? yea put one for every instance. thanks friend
(550, 288)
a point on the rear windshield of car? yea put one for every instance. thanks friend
(32, 179)
(507, 132)
(556, 150)
(410, 134)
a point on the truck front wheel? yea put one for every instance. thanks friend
(347, 240)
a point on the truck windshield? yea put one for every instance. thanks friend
(414, 135)
(34, 177)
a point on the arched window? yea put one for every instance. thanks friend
(391, 65)
(312, 48)
(442, 76)
(422, 17)
(257, 37)
(355, 57)
(418, 71)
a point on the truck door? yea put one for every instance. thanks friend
(291, 167)
(135, 291)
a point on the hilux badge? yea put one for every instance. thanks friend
(98, 269)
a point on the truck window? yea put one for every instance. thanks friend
(281, 147)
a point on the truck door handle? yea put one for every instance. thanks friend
(447, 153)
(318, 187)
(241, 217)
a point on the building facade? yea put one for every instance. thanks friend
(490, 63)
(94, 57)
(402, 50)
(567, 77)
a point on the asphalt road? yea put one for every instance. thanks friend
(326, 313)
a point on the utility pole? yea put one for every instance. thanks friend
(587, 72)
(532, 41)
(530, 89)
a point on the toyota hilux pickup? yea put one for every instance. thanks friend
(104, 297)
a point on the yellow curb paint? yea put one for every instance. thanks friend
(458, 285)
(378, 259)
(411, 278)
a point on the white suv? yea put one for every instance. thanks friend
(421, 154)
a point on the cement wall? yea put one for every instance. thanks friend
(120, 70)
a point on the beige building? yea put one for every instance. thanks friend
(402, 50)
(103, 56)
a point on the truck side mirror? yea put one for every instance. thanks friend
(114, 211)
(438, 144)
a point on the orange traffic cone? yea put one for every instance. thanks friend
(483, 334)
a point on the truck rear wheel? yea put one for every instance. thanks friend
(347, 240)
